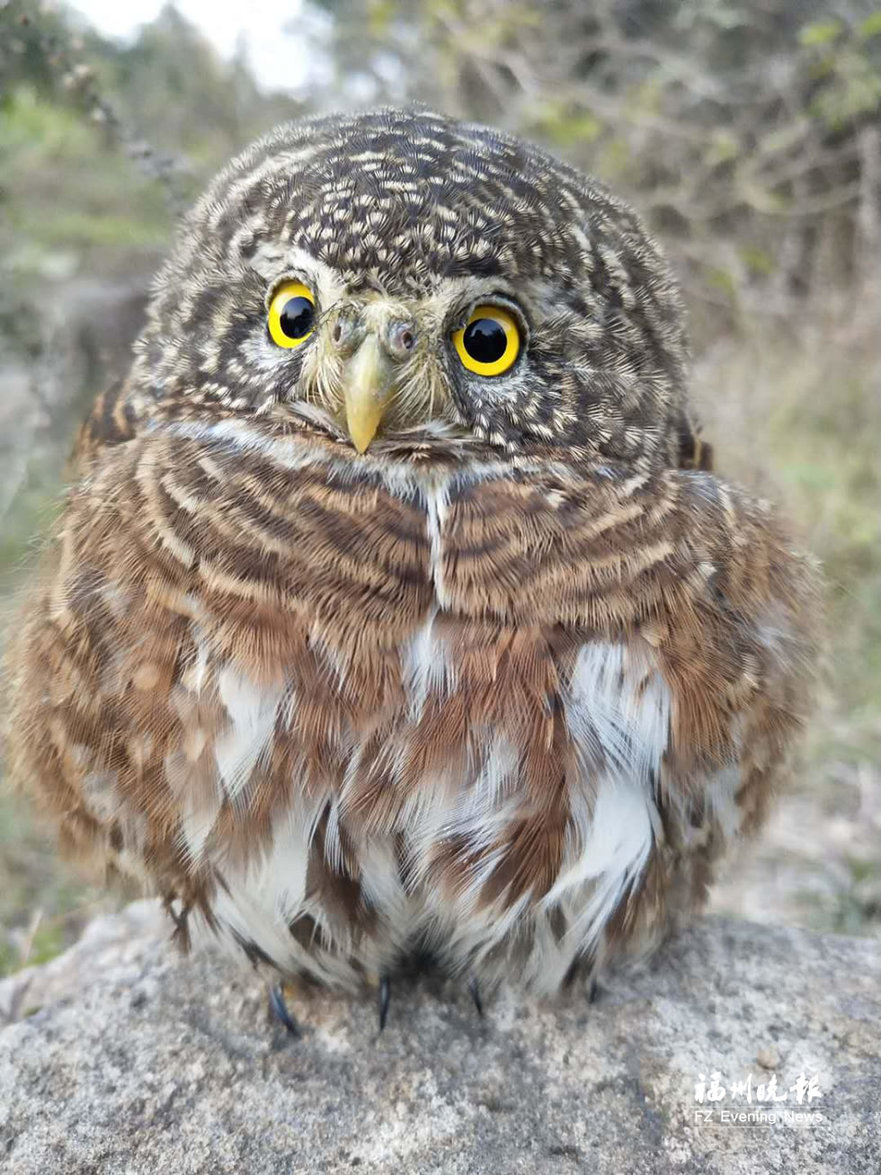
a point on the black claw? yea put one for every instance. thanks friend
(385, 998)
(474, 992)
(279, 1008)
(593, 992)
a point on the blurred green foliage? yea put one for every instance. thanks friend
(102, 143)
(105, 202)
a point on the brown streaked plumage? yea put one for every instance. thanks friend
(503, 686)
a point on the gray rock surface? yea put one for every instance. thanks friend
(141, 1061)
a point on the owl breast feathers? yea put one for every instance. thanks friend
(389, 611)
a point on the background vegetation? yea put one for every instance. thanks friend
(749, 135)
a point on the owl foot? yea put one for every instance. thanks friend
(593, 992)
(474, 992)
(385, 998)
(279, 1008)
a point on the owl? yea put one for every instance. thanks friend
(394, 614)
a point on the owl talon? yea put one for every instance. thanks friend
(385, 998)
(474, 992)
(593, 992)
(279, 1008)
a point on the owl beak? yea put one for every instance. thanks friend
(369, 388)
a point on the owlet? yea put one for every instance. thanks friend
(393, 612)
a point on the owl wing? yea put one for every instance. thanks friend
(115, 417)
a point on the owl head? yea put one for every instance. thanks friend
(399, 277)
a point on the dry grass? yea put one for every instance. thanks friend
(795, 413)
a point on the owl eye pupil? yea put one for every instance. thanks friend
(485, 340)
(297, 317)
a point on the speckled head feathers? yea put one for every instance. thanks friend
(429, 216)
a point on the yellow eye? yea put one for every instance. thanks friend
(489, 342)
(291, 314)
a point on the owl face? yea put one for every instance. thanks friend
(399, 278)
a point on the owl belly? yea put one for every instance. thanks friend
(489, 804)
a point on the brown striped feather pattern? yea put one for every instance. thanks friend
(498, 693)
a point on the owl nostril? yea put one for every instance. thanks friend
(401, 339)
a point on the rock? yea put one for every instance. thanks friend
(111, 943)
(144, 1061)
